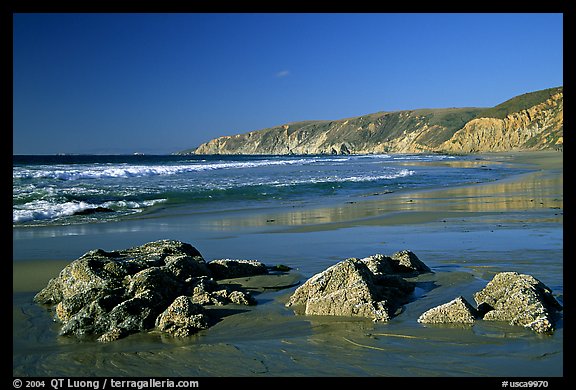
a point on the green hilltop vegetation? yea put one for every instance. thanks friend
(530, 121)
(519, 103)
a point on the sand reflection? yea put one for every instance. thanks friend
(539, 190)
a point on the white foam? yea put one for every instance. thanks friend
(45, 210)
(42, 209)
(76, 172)
(344, 179)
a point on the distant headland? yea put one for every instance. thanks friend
(532, 121)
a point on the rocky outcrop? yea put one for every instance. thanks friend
(167, 285)
(512, 297)
(372, 287)
(532, 121)
(164, 284)
(520, 300)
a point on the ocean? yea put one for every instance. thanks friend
(79, 189)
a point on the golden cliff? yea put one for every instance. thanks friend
(538, 127)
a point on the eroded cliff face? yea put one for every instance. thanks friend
(402, 131)
(453, 130)
(539, 127)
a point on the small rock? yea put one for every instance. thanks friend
(457, 310)
(183, 318)
(94, 210)
(207, 292)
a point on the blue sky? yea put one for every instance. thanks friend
(160, 83)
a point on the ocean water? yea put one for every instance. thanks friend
(76, 189)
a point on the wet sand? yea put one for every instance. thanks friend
(464, 234)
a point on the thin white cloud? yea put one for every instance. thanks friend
(283, 73)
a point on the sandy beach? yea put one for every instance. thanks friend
(464, 234)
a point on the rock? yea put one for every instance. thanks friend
(94, 210)
(520, 300)
(379, 264)
(350, 288)
(344, 289)
(109, 295)
(404, 262)
(79, 277)
(112, 335)
(228, 268)
(456, 311)
(206, 291)
(159, 281)
(183, 318)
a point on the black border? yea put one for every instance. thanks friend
(214, 6)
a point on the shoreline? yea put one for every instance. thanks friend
(536, 190)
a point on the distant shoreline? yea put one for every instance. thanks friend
(136, 154)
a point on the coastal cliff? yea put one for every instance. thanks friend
(536, 128)
(532, 121)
